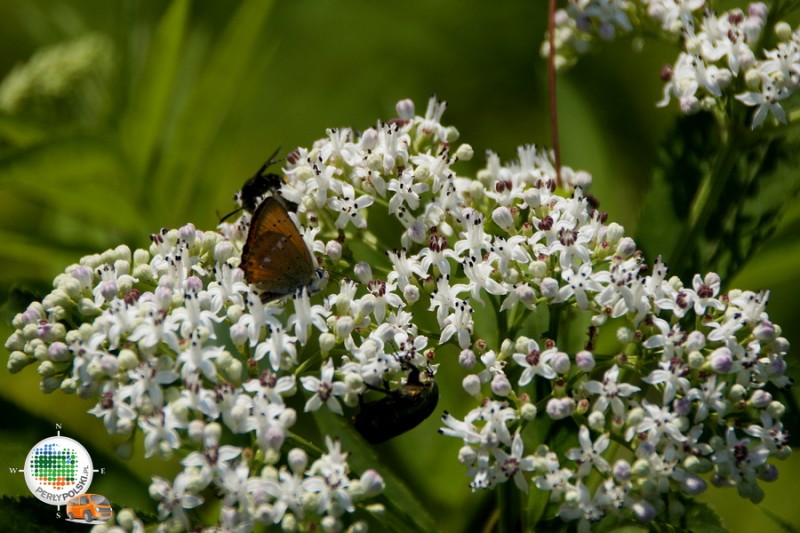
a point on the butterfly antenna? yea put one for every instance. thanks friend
(223, 219)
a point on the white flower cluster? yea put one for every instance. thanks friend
(720, 56)
(174, 342)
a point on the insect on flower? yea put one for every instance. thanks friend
(400, 410)
(257, 187)
(275, 258)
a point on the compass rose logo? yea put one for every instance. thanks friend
(57, 469)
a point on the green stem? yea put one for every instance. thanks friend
(508, 503)
(308, 446)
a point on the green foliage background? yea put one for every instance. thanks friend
(197, 94)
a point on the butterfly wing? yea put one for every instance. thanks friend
(275, 257)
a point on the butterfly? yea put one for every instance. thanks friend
(275, 258)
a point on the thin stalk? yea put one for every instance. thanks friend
(509, 505)
(551, 79)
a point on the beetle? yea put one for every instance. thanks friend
(400, 410)
(254, 189)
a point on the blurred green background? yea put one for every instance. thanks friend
(137, 115)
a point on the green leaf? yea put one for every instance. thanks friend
(728, 194)
(29, 515)
(180, 175)
(403, 511)
(82, 176)
(778, 265)
(22, 132)
(701, 517)
(28, 257)
(537, 504)
(151, 96)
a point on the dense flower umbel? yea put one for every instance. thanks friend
(172, 340)
(722, 56)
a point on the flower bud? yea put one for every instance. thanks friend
(532, 198)
(626, 247)
(776, 410)
(411, 293)
(372, 483)
(503, 218)
(464, 152)
(621, 470)
(597, 421)
(558, 408)
(467, 358)
(528, 411)
(472, 385)
(500, 385)
(327, 341)
(560, 363)
(768, 473)
(721, 360)
(405, 109)
(333, 249)
(549, 288)
(196, 430)
(585, 360)
(736, 392)
(363, 272)
(760, 398)
(298, 460)
(344, 327)
(127, 359)
(466, 455)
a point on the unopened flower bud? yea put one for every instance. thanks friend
(721, 360)
(549, 288)
(464, 152)
(528, 411)
(472, 385)
(467, 358)
(503, 218)
(560, 362)
(363, 272)
(585, 360)
(405, 109)
(333, 249)
(500, 385)
(626, 247)
(411, 293)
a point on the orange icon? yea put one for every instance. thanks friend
(89, 507)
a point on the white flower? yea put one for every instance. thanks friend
(589, 454)
(350, 207)
(611, 392)
(766, 101)
(325, 389)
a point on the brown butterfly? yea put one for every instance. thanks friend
(275, 258)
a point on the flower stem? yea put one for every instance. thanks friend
(508, 503)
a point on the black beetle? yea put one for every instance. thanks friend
(400, 410)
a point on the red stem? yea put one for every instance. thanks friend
(551, 78)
